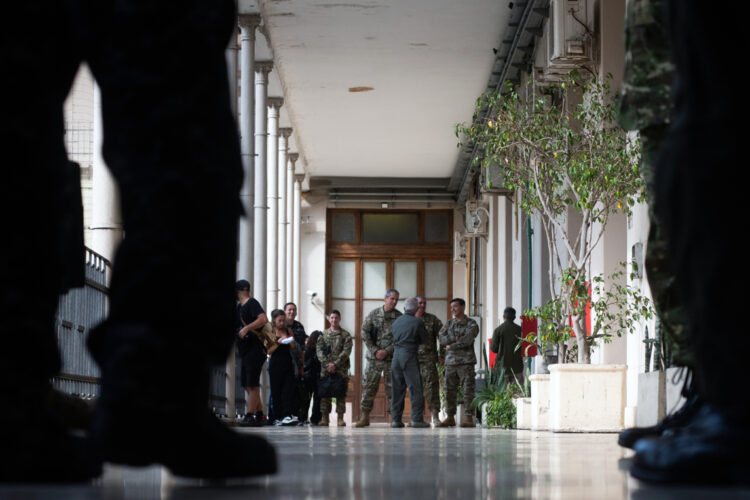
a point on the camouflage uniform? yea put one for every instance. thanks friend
(645, 106)
(378, 321)
(459, 361)
(334, 347)
(428, 357)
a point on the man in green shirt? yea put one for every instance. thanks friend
(504, 341)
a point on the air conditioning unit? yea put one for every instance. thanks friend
(477, 219)
(492, 180)
(566, 43)
(459, 247)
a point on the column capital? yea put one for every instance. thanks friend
(249, 21)
(299, 178)
(292, 157)
(264, 67)
(275, 102)
(285, 131)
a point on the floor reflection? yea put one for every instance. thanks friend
(384, 463)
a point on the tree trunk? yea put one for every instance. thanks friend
(579, 328)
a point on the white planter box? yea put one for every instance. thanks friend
(540, 398)
(523, 413)
(586, 398)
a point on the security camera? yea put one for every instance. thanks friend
(312, 294)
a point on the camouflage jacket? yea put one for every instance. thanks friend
(378, 324)
(646, 97)
(428, 351)
(459, 335)
(334, 347)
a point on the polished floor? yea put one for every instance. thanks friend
(403, 464)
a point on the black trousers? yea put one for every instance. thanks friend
(700, 202)
(405, 373)
(171, 143)
(284, 386)
(311, 395)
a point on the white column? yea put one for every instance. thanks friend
(262, 68)
(248, 25)
(284, 134)
(106, 220)
(291, 160)
(272, 296)
(298, 178)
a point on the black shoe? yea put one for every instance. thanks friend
(420, 424)
(249, 420)
(676, 420)
(397, 424)
(712, 449)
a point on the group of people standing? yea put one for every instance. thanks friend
(296, 362)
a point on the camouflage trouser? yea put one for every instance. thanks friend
(661, 280)
(371, 383)
(326, 403)
(430, 382)
(456, 375)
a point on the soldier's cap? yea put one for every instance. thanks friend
(242, 285)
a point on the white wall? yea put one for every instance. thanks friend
(313, 262)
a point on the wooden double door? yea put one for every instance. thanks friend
(369, 252)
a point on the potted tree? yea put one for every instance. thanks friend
(569, 164)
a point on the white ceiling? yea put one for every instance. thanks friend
(427, 60)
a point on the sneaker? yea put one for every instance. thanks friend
(249, 421)
(277, 423)
(289, 421)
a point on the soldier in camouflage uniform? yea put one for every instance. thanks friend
(333, 350)
(378, 339)
(458, 336)
(645, 106)
(428, 358)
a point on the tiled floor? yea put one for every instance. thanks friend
(403, 464)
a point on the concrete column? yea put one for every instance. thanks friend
(106, 219)
(262, 68)
(298, 178)
(284, 134)
(272, 248)
(248, 24)
(291, 160)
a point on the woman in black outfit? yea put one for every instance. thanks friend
(285, 370)
(312, 374)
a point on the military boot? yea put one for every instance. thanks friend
(324, 421)
(467, 421)
(340, 422)
(449, 421)
(364, 420)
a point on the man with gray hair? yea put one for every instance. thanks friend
(378, 340)
(408, 333)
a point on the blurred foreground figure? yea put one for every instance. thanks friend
(171, 143)
(699, 204)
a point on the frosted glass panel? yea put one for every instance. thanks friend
(436, 228)
(343, 228)
(373, 277)
(405, 278)
(343, 277)
(435, 278)
(390, 228)
(439, 308)
(367, 306)
(347, 309)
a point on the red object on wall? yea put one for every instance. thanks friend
(492, 355)
(588, 314)
(528, 325)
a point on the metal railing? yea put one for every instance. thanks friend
(82, 309)
(78, 311)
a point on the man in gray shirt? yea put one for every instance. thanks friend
(408, 333)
